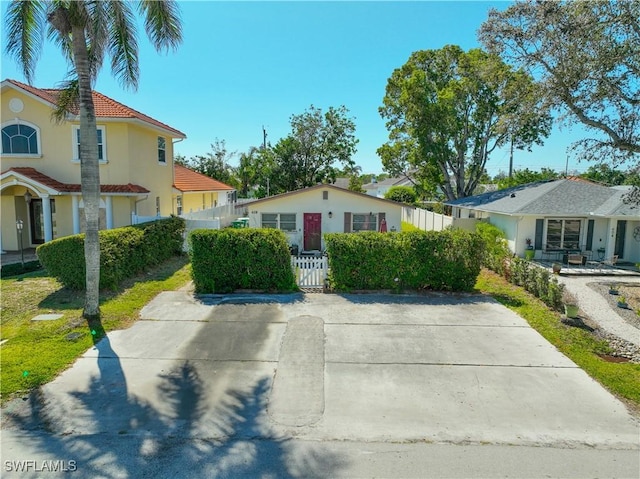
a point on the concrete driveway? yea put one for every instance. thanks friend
(322, 386)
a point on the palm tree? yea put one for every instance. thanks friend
(87, 31)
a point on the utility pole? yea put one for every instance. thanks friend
(264, 138)
(511, 160)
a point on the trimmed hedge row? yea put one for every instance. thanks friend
(124, 252)
(447, 260)
(519, 271)
(225, 260)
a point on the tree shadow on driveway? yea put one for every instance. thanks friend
(179, 430)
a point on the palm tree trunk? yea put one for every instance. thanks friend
(89, 173)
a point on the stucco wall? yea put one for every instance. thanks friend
(131, 152)
(311, 201)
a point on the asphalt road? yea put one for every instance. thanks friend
(322, 386)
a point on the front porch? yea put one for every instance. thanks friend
(591, 268)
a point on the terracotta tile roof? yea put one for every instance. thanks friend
(189, 180)
(56, 185)
(105, 107)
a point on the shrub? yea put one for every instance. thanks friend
(439, 260)
(16, 269)
(225, 260)
(538, 281)
(402, 194)
(124, 252)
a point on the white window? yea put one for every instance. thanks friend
(102, 146)
(282, 221)
(563, 234)
(179, 205)
(162, 150)
(364, 222)
(20, 138)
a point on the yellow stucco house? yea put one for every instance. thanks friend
(193, 191)
(40, 171)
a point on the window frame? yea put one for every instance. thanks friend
(371, 215)
(33, 126)
(162, 149)
(75, 137)
(277, 221)
(561, 245)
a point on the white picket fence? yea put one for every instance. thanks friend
(310, 271)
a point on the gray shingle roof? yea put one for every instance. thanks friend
(551, 198)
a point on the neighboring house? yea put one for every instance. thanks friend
(342, 183)
(558, 215)
(193, 191)
(40, 179)
(306, 214)
(380, 188)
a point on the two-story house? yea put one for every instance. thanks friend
(40, 173)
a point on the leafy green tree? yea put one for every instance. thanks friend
(181, 160)
(254, 171)
(603, 173)
(522, 177)
(586, 56)
(355, 183)
(319, 143)
(86, 32)
(447, 110)
(402, 194)
(216, 163)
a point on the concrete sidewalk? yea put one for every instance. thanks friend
(324, 386)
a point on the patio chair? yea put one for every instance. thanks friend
(611, 262)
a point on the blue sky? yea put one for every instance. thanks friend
(245, 65)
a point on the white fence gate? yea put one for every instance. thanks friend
(310, 271)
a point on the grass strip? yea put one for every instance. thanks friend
(582, 347)
(35, 352)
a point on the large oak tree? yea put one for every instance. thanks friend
(586, 56)
(448, 110)
(319, 143)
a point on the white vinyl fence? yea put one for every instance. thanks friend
(225, 214)
(426, 220)
(430, 221)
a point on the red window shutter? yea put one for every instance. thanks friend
(347, 222)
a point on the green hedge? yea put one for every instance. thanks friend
(521, 272)
(124, 252)
(15, 269)
(225, 260)
(447, 260)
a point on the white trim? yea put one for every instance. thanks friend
(165, 162)
(18, 121)
(21, 180)
(75, 155)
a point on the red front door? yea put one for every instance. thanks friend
(312, 231)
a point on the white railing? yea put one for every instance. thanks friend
(310, 271)
(225, 214)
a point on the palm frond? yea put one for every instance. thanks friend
(97, 34)
(123, 43)
(25, 22)
(162, 23)
(67, 99)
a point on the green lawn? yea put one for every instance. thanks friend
(622, 379)
(35, 352)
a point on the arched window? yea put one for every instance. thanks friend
(20, 139)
